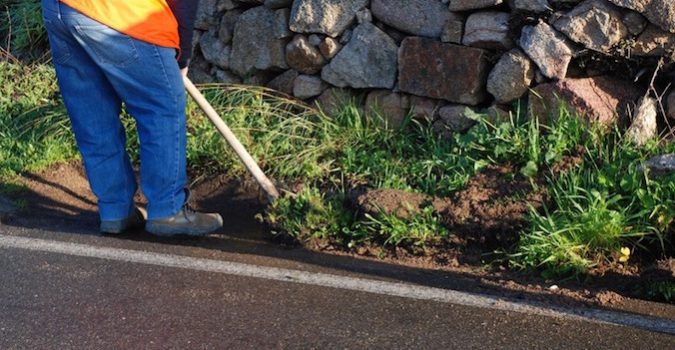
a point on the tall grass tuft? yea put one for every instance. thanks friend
(606, 204)
(34, 127)
(22, 32)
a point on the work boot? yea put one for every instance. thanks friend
(134, 221)
(185, 222)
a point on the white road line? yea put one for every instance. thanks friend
(340, 282)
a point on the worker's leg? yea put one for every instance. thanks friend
(147, 79)
(94, 107)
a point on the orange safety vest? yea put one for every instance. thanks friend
(147, 20)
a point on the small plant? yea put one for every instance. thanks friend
(417, 230)
(516, 140)
(659, 290)
(586, 229)
(308, 214)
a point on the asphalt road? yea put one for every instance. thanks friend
(63, 290)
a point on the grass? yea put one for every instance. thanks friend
(33, 122)
(22, 32)
(604, 204)
(659, 291)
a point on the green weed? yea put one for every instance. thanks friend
(659, 290)
(22, 33)
(606, 204)
(34, 128)
(309, 214)
(417, 230)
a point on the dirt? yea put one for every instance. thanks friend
(488, 211)
(570, 162)
(61, 193)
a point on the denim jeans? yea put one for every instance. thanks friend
(99, 69)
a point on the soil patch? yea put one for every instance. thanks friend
(488, 211)
(60, 195)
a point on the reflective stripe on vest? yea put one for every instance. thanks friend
(147, 20)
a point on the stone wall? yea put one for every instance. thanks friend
(439, 57)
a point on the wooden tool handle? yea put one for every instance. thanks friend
(251, 165)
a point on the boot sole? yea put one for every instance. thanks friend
(122, 226)
(170, 230)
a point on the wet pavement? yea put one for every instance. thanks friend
(54, 300)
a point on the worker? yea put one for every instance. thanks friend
(113, 52)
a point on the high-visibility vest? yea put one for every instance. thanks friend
(147, 20)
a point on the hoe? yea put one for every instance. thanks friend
(251, 165)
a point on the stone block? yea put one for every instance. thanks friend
(443, 71)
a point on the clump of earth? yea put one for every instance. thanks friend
(489, 211)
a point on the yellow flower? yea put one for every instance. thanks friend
(624, 254)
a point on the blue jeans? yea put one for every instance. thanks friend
(98, 69)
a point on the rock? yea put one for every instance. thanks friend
(425, 109)
(463, 5)
(303, 57)
(204, 17)
(200, 70)
(329, 47)
(308, 86)
(596, 24)
(333, 99)
(227, 77)
(453, 29)
(441, 130)
(671, 105)
(277, 4)
(284, 82)
(417, 17)
(330, 17)
(497, 114)
(7, 209)
(634, 22)
(443, 71)
(393, 33)
(345, 37)
(226, 5)
(227, 23)
(214, 50)
(455, 118)
(259, 41)
(661, 165)
(643, 127)
(258, 78)
(511, 77)
(390, 106)
(654, 42)
(314, 40)
(488, 30)
(659, 12)
(599, 99)
(364, 15)
(196, 36)
(536, 6)
(367, 61)
(548, 49)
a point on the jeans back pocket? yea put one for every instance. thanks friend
(109, 45)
